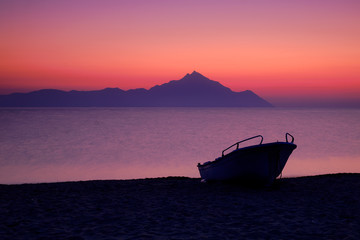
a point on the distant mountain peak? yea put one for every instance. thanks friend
(196, 73)
(194, 76)
(193, 90)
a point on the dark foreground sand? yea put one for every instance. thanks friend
(320, 207)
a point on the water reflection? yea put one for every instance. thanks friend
(46, 145)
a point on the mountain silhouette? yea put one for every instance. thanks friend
(193, 90)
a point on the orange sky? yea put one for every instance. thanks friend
(280, 49)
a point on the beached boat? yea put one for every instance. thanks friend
(261, 163)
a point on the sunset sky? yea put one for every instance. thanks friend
(288, 52)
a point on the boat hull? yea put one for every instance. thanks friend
(258, 164)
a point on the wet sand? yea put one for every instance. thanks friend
(318, 207)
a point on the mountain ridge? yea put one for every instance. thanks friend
(193, 90)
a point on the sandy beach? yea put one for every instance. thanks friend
(318, 207)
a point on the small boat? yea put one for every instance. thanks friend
(256, 164)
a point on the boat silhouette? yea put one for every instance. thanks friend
(256, 164)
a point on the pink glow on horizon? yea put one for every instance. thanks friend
(277, 49)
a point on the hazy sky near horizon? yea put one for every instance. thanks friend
(280, 49)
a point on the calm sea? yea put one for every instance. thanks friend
(66, 144)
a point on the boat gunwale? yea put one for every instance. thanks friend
(222, 158)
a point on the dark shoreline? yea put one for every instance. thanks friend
(316, 207)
